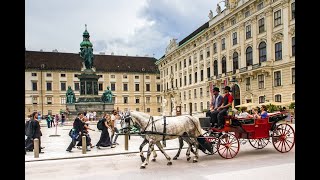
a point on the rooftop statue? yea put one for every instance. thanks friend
(86, 51)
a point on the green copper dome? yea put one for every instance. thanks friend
(86, 42)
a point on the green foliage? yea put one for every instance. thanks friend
(272, 108)
(292, 105)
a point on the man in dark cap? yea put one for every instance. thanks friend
(226, 103)
(215, 103)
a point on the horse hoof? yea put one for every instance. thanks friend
(188, 159)
(142, 167)
(169, 163)
(154, 160)
(175, 158)
(142, 158)
(195, 161)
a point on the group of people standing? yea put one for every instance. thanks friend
(108, 132)
(32, 131)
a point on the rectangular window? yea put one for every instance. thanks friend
(185, 80)
(176, 67)
(148, 109)
(214, 48)
(184, 63)
(180, 81)
(195, 107)
(63, 86)
(49, 86)
(293, 74)
(293, 46)
(49, 74)
(62, 75)
(125, 100)
(247, 14)
(158, 87)
(201, 92)
(261, 25)
(33, 74)
(195, 77)
(136, 77)
(34, 100)
(221, 28)
(100, 87)
(112, 76)
(158, 77)
(201, 55)
(201, 106)
(248, 31)
(113, 86)
(201, 75)
(234, 38)
(190, 79)
(49, 100)
(223, 44)
(277, 98)
(180, 66)
(137, 100)
(260, 6)
(233, 21)
(125, 87)
(195, 93)
(125, 76)
(147, 87)
(277, 18)
(248, 84)
(158, 99)
(148, 77)
(159, 109)
(77, 86)
(207, 88)
(137, 87)
(75, 75)
(208, 72)
(208, 51)
(63, 100)
(261, 99)
(189, 94)
(185, 107)
(261, 81)
(277, 78)
(184, 95)
(194, 58)
(148, 100)
(278, 51)
(293, 10)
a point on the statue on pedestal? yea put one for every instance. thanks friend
(107, 96)
(86, 51)
(71, 98)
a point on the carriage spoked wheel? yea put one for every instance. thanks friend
(259, 143)
(283, 138)
(228, 145)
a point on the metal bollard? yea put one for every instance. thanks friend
(36, 147)
(126, 140)
(84, 145)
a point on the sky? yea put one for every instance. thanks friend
(121, 27)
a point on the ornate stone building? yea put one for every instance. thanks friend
(250, 46)
(134, 81)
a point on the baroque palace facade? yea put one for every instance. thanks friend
(249, 46)
(134, 81)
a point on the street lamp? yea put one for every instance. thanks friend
(42, 66)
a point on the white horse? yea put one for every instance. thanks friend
(186, 127)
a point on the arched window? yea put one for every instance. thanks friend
(215, 68)
(235, 61)
(249, 56)
(224, 65)
(262, 52)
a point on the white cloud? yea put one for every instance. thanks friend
(133, 27)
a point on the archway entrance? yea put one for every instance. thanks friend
(236, 94)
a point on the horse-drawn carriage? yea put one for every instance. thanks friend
(226, 141)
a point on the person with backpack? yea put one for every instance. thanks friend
(104, 124)
(78, 127)
(33, 131)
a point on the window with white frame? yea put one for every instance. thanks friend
(49, 86)
(34, 86)
(49, 100)
(234, 38)
(261, 81)
(215, 48)
(261, 99)
(113, 86)
(77, 86)
(185, 107)
(148, 100)
(248, 84)
(189, 94)
(125, 87)
(184, 95)
(293, 75)
(148, 109)
(278, 51)
(34, 100)
(277, 98)
(195, 107)
(195, 93)
(277, 18)
(201, 55)
(208, 51)
(201, 92)
(277, 78)
(100, 86)
(261, 25)
(63, 100)
(248, 31)
(125, 100)
(158, 99)
(223, 43)
(112, 76)
(201, 106)
(33, 74)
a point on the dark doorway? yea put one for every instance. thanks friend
(236, 94)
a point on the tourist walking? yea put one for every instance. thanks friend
(104, 140)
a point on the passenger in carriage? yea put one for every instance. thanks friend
(226, 103)
(244, 113)
(263, 114)
(216, 102)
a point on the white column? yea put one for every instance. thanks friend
(269, 26)
(254, 40)
(242, 40)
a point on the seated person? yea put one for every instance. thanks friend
(263, 114)
(244, 113)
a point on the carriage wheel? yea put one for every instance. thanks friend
(283, 138)
(228, 146)
(259, 143)
(213, 140)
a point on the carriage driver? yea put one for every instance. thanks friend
(216, 102)
(226, 103)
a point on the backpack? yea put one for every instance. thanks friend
(100, 124)
(29, 129)
(73, 134)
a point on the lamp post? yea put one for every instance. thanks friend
(42, 66)
(143, 103)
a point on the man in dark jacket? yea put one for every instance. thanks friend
(78, 125)
(34, 133)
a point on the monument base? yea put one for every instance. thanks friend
(99, 107)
